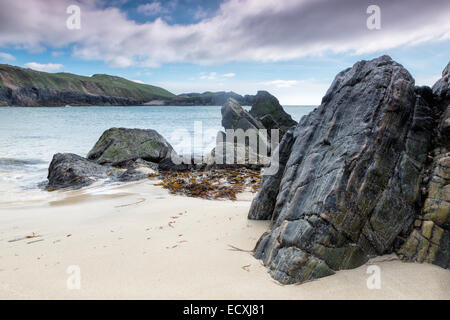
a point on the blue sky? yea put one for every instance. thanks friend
(291, 48)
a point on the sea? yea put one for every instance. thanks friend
(29, 137)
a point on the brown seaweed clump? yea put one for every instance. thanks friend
(213, 184)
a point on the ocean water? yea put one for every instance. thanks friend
(30, 136)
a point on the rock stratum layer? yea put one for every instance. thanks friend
(352, 179)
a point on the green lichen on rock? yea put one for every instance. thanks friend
(117, 145)
(268, 110)
(429, 241)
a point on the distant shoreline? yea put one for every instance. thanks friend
(124, 106)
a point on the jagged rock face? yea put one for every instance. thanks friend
(68, 170)
(263, 205)
(235, 117)
(267, 109)
(117, 145)
(266, 113)
(351, 182)
(430, 239)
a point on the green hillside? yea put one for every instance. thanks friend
(99, 84)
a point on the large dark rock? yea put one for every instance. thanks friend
(350, 188)
(429, 240)
(267, 109)
(263, 204)
(266, 113)
(235, 117)
(118, 145)
(235, 154)
(71, 171)
(68, 170)
(120, 154)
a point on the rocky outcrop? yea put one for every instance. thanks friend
(68, 170)
(235, 117)
(71, 171)
(119, 155)
(349, 185)
(118, 145)
(242, 155)
(266, 113)
(264, 204)
(267, 109)
(429, 240)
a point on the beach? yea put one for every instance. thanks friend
(137, 241)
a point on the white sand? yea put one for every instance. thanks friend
(128, 244)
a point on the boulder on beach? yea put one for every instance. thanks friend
(68, 170)
(120, 154)
(118, 145)
(349, 185)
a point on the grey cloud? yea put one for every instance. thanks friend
(242, 30)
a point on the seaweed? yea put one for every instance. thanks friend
(214, 184)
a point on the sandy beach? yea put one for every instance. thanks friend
(136, 241)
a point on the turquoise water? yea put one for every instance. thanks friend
(30, 136)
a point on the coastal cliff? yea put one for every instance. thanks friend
(364, 174)
(26, 87)
(30, 88)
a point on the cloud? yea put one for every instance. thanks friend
(282, 83)
(208, 76)
(200, 13)
(138, 81)
(152, 9)
(241, 30)
(157, 8)
(57, 53)
(49, 67)
(6, 57)
(215, 76)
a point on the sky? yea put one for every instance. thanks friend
(292, 48)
